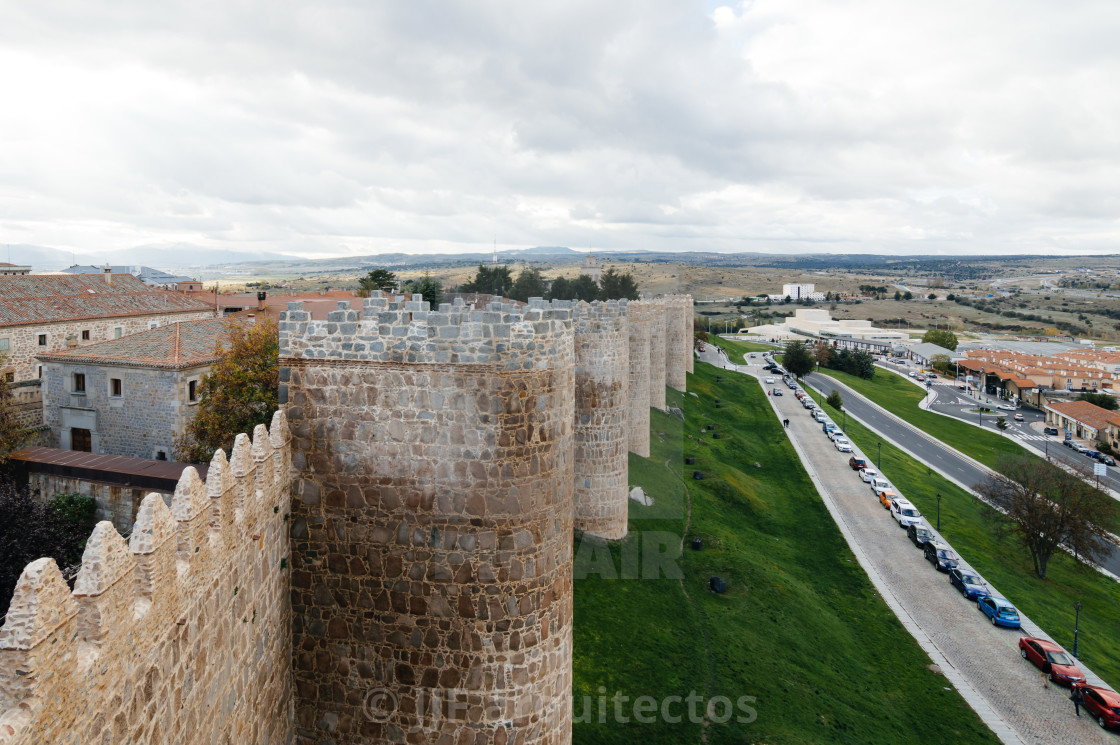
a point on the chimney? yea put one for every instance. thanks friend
(107, 272)
(261, 295)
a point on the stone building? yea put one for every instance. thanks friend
(129, 396)
(42, 313)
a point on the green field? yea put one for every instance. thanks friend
(969, 526)
(801, 628)
(736, 349)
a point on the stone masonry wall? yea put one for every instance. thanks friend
(637, 421)
(678, 339)
(657, 359)
(432, 575)
(182, 635)
(118, 504)
(23, 341)
(602, 378)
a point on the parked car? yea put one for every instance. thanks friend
(879, 484)
(1106, 459)
(769, 381)
(834, 433)
(1102, 704)
(843, 444)
(941, 556)
(1050, 659)
(856, 463)
(999, 611)
(819, 415)
(868, 475)
(776, 392)
(971, 585)
(887, 497)
(919, 534)
(1050, 430)
(904, 513)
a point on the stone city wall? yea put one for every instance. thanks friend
(432, 531)
(602, 377)
(678, 340)
(181, 635)
(640, 314)
(657, 358)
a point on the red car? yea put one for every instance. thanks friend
(1102, 703)
(857, 464)
(1051, 659)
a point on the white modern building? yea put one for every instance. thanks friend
(813, 324)
(799, 292)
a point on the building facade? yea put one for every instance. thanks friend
(129, 396)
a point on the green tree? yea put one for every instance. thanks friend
(13, 433)
(897, 295)
(942, 364)
(614, 285)
(430, 288)
(493, 280)
(908, 295)
(529, 283)
(378, 279)
(560, 289)
(1103, 400)
(240, 391)
(942, 338)
(834, 400)
(931, 296)
(584, 288)
(797, 359)
(1001, 423)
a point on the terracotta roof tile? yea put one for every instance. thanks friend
(172, 347)
(1086, 413)
(48, 298)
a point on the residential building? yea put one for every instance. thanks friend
(41, 313)
(591, 268)
(1085, 421)
(129, 396)
(146, 274)
(799, 292)
(271, 303)
(11, 269)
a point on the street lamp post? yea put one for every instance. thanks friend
(1076, 623)
(844, 426)
(879, 460)
(939, 510)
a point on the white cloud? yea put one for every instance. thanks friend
(772, 125)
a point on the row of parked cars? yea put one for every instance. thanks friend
(1094, 454)
(831, 431)
(1102, 703)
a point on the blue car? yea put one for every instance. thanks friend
(999, 611)
(968, 582)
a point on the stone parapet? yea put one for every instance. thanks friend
(181, 634)
(602, 377)
(433, 517)
(638, 333)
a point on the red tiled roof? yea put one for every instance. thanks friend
(48, 298)
(1086, 413)
(172, 347)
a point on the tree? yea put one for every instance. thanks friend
(931, 296)
(493, 280)
(950, 297)
(1103, 400)
(528, 284)
(798, 359)
(31, 528)
(1048, 507)
(942, 338)
(13, 433)
(560, 289)
(584, 288)
(942, 364)
(429, 287)
(908, 295)
(822, 353)
(1001, 423)
(614, 285)
(834, 400)
(378, 279)
(897, 295)
(240, 391)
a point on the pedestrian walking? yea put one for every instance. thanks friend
(1078, 700)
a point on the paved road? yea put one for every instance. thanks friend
(980, 660)
(941, 458)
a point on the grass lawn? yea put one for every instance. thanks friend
(967, 525)
(736, 349)
(801, 628)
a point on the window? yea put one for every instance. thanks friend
(79, 383)
(39, 370)
(153, 324)
(5, 345)
(161, 455)
(115, 387)
(10, 377)
(117, 332)
(85, 335)
(80, 440)
(42, 340)
(192, 390)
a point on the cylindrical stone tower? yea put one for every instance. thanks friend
(638, 415)
(657, 336)
(689, 319)
(432, 522)
(602, 354)
(678, 344)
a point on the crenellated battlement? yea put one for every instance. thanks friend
(385, 329)
(155, 627)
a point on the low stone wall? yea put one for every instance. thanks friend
(182, 635)
(115, 503)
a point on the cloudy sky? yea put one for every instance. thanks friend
(334, 128)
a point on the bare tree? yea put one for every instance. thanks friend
(1047, 508)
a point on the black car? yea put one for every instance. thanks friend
(1050, 430)
(941, 556)
(1106, 459)
(919, 534)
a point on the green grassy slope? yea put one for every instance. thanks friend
(801, 628)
